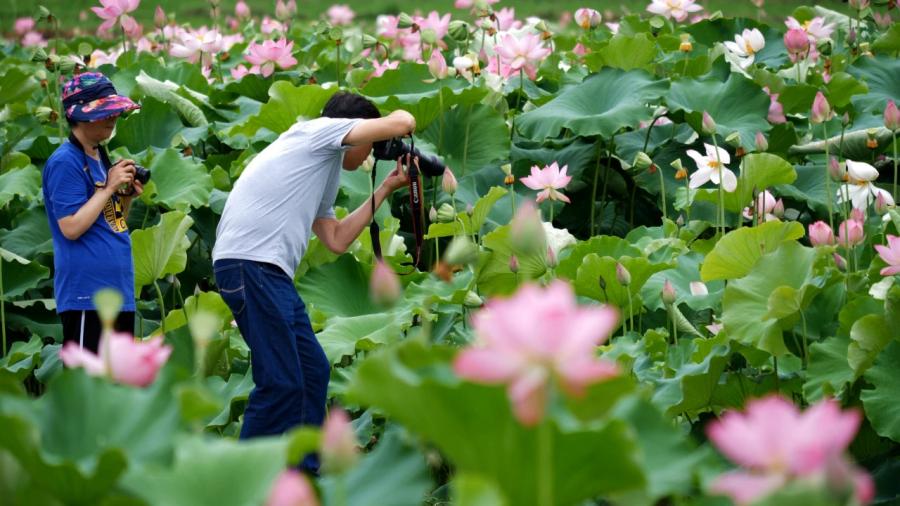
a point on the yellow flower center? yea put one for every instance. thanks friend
(714, 164)
(748, 47)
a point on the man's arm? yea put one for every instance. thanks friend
(395, 124)
(337, 235)
(75, 225)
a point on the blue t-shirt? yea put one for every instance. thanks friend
(101, 257)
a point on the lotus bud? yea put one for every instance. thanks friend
(159, 17)
(761, 143)
(708, 124)
(668, 293)
(340, 450)
(458, 30)
(839, 262)
(446, 213)
(108, 303)
(437, 65)
(821, 109)
(461, 251)
(835, 169)
(448, 182)
(526, 234)
(552, 261)
(473, 300)
(820, 234)
(368, 164)
(676, 164)
(622, 275)
(602, 283)
(858, 215)
(44, 114)
(369, 41)
(891, 117)
(642, 161)
(384, 286)
(881, 204)
(796, 41)
(871, 140)
(734, 139)
(513, 264)
(850, 233)
(68, 63)
(242, 10)
(686, 46)
(778, 210)
(432, 215)
(587, 18)
(39, 55)
(680, 220)
(281, 10)
(404, 20)
(698, 289)
(470, 210)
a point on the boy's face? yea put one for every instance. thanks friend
(355, 156)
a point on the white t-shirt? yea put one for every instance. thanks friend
(269, 214)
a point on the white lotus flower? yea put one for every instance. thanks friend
(708, 168)
(859, 188)
(746, 45)
(558, 239)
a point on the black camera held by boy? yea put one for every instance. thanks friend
(393, 149)
(141, 174)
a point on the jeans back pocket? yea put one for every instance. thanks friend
(230, 281)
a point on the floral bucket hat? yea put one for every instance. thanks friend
(91, 96)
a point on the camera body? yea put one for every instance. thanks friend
(141, 174)
(393, 149)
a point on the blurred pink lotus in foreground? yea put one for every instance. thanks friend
(536, 336)
(674, 9)
(121, 358)
(340, 449)
(775, 443)
(891, 255)
(242, 10)
(23, 26)
(340, 14)
(710, 166)
(291, 488)
(549, 179)
(114, 11)
(523, 52)
(267, 55)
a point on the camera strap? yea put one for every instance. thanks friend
(101, 150)
(374, 233)
(416, 208)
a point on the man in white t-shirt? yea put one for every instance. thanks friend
(283, 195)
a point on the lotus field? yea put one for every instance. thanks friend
(659, 270)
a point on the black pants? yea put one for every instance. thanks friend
(84, 327)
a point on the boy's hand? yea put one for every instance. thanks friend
(396, 179)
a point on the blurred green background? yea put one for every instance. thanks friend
(197, 11)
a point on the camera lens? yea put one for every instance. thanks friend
(141, 174)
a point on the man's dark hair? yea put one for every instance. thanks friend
(344, 104)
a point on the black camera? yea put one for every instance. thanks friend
(393, 149)
(141, 174)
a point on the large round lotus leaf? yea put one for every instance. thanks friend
(691, 375)
(77, 439)
(601, 105)
(469, 137)
(882, 75)
(178, 182)
(889, 41)
(756, 307)
(735, 254)
(474, 427)
(880, 402)
(596, 279)
(736, 105)
(828, 370)
(338, 288)
(29, 234)
(167, 91)
(494, 276)
(160, 249)
(287, 104)
(16, 86)
(686, 272)
(24, 183)
(176, 71)
(154, 124)
(20, 274)
(625, 52)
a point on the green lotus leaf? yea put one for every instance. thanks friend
(603, 245)
(595, 267)
(735, 254)
(828, 372)
(474, 427)
(736, 105)
(693, 372)
(810, 187)
(233, 394)
(154, 124)
(207, 302)
(842, 87)
(747, 313)
(287, 104)
(24, 183)
(160, 249)
(29, 234)
(344, 335)
(889, 41)
(868, 337)
(687, 270)
(339, 288)
(880, 402)
(494, 276)
(625, 52)
(22, 358)
(178, 182)
(469, 137)
(16, 86)
(20, 274)
(166, 91)
(882, 76)
(601, 105)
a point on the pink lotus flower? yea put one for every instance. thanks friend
(820, 234)
(579, 49)
(112, 11)
(821, 110)
(851, 233)
(33, 39)
(796, 41)
(23, 26)
(764, 208)
(133, 30)
(192, 45)
(291, 488)
(775, 443)
(674, 9)
(776, 110)
(891, 116)
(891, 255)
(340, 14)
(448, 182)
(285, 10)
(467, 4)
(882, 20)
(815, 28)
(437, 65)
(121, 358)
(538, 335)
(523, 52)
(549, 179)
(381, 68)
(386, 26)
(267, 55)
(239, 72)
(435, 22)
(587, 18)
(242, 10)
(339, 446)
(269, 26)
(710, 166)
(384, 286)
(506, 19)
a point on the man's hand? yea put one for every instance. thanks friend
(398, 178)
(122, 173)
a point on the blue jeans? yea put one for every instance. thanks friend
(290, 369)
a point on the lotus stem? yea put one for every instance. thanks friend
(337, 63)
(162, 307)
(828, 178)
(721, 214)
(630, 309)
(594, 190)
(662, 192)
(805, 340)
(894, 138)
(545, 464)
(2, 309)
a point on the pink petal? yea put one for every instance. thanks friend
(745, 488)
(73, 355)
(485, 365)
(528, 395)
